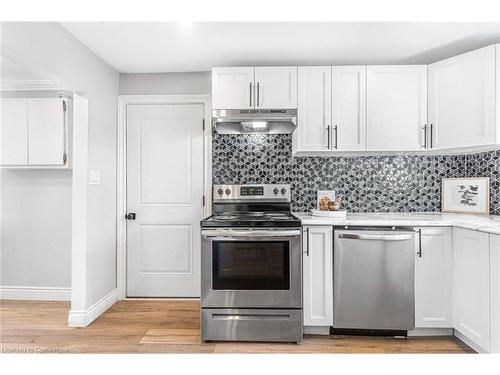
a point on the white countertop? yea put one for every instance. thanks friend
(483, 223)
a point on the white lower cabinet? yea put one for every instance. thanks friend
(318, 275)
(434, 278)
(471, 286)
(495, 292)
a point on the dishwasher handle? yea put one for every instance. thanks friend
(379, 237)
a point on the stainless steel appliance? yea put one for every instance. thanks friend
(374, 279)
(251, 266)
(243, 121)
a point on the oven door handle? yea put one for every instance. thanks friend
(250, 233)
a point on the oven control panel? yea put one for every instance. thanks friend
(264, 192)
(251, 190)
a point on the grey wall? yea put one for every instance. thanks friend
(166, 83)
(51, 48)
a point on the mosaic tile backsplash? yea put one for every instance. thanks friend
(365, 183)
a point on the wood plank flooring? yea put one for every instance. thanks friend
(168, 326)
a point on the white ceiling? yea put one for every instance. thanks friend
(180, 47)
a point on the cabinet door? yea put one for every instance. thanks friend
(46, 135)
(462, 100)
(314, 110)
(349, 108)
(495, 292)
(14, 132)
(318, 275)
(276, 87)
(433, 279)
(232, 88)
(396, 107)
(471, 281)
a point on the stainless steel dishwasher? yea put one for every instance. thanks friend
(373, 279)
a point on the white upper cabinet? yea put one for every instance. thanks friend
(14, 132)
(318, 275)
(462, 100)
(314, 128)
(276, 87)
(349, 108)
(434, 278)
(34, 133)
(248, 87)
(47, 132)
(232, 88)
(471, 285)
(396, 107)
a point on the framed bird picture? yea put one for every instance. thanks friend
(466, 195)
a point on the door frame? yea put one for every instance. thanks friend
(121, 169)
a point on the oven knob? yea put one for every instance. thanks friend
(275, 191)
(228, 191)
(220, 191)
(283, 190)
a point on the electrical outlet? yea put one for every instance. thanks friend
(95, 178)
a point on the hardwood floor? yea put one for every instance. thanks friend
(168, 326)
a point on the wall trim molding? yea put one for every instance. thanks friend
(121, 169)
(82, 318)
(35, 293)
(468, 342)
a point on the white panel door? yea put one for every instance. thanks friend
(46, 119)
(495, 292)
(318, 275)
(164, 190)
(396, 107)
(434, 278)
(471, 285)
(14, 132)
(314, 128)
(349, 108)
(276, 87)
(233, 88)
(462, 100)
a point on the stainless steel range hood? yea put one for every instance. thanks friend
(254, 121)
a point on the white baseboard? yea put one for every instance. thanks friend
(417, 332)
(469, 342)
(35, 293)
(82, 318)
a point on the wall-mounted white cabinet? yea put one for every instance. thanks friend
(396, 107)
(434, 278)
(313, 132)
(318, 275)
(471, 286)
(331, 109)
(495, 292)
(462, 103)
(261, 87)
(34, 133)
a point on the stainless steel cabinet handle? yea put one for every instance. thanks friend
(250, 94)
(251, 317)
(419, 253)
(258, 94)
(335, 128)
(425, 136)
(432, 136)
(380, 237)
(328, 136)
(307, 240)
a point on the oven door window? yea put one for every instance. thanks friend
(251, 265)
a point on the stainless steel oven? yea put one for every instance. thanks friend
(251, 266)
(255, 268)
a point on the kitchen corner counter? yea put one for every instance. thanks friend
(482, 223)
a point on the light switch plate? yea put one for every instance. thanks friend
(95, 178)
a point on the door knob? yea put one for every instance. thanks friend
(130, 216)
